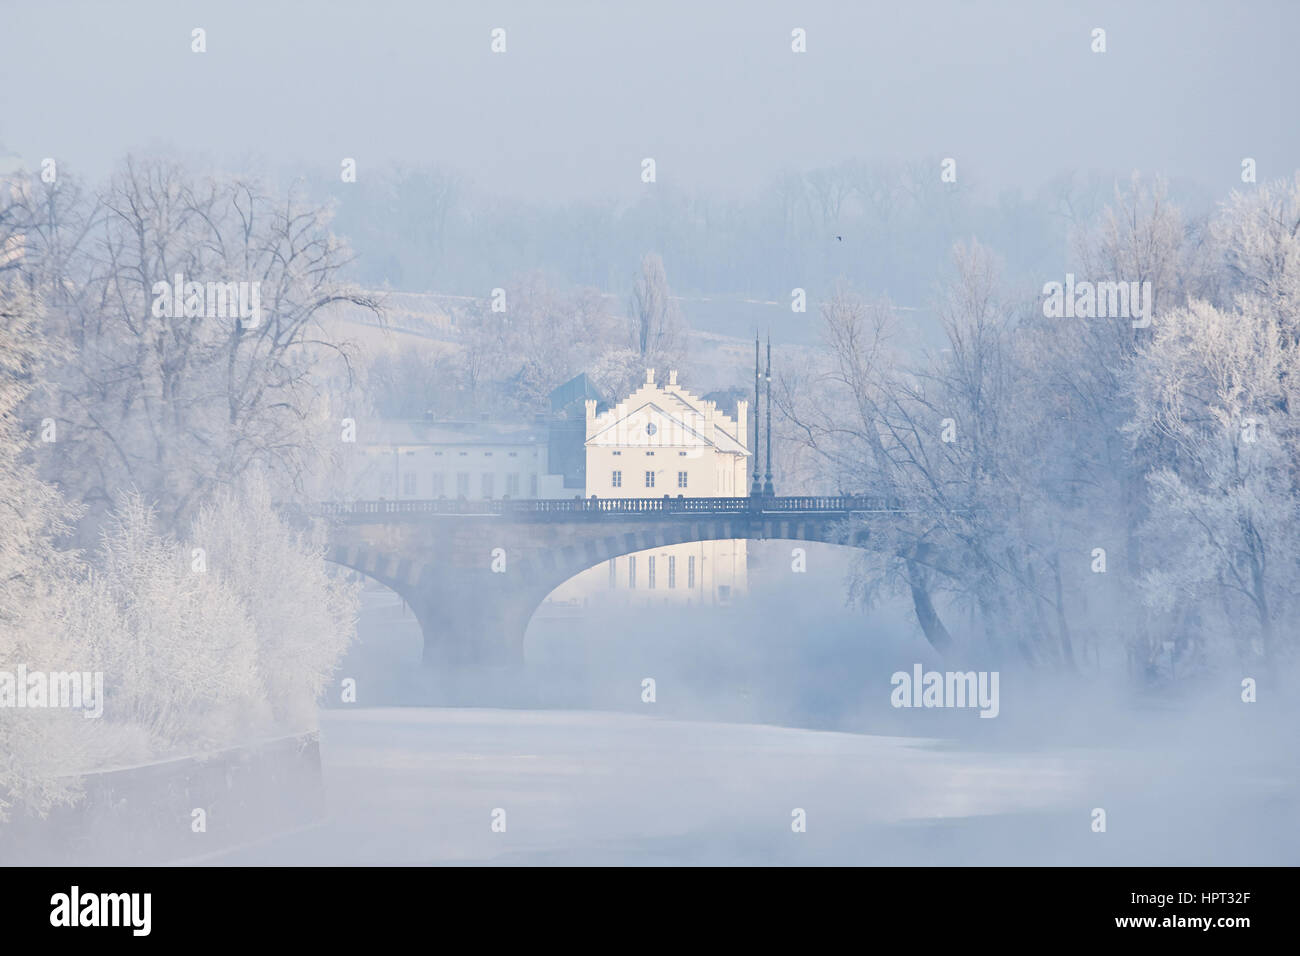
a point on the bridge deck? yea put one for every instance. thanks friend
(569, 509)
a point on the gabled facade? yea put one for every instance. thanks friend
(664, 441)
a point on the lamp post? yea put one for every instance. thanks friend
(768, 490)
(756, 488)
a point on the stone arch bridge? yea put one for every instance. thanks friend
(475, 571)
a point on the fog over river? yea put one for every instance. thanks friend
(717, 779)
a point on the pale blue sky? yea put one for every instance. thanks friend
(710, 89)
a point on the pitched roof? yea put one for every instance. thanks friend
(577, 388)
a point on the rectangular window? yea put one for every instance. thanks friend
(532, 486)
(462, 484)
(616, 479)
(512, 484)
(649, 479)
(487, 484)
(408, 483)
(672, 570)
(618, 453)
(613, 572)
(681, 479)
(631, 572)
(690, 571)
(439, 484)
(650, 571)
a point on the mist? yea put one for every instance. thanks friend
(577, 435)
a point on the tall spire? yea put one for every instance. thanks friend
(756, 488)
(768, 489)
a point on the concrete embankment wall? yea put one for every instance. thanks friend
(146, 814)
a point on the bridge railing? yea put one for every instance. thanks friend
(523, 507)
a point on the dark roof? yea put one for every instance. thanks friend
(578, 388)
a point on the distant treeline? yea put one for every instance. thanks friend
(887, 228)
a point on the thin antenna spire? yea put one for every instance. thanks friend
(768, 488)
(756, 488)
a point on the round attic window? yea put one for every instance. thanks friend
(651, 428)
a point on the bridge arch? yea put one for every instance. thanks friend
(475, 572)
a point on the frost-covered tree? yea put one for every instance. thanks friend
(33, 571)
(150, 416)
(1219, 387)
(508, 362)
(198, 651)
(175, 404)
(303, 617)
(186, 667)
(34, 516)
(54, 616)
(950, 439)
(555, 335)
(657, 325)
(1258, 234)
(1214, 390)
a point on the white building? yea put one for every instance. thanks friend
(400, 460)
(663, 441)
